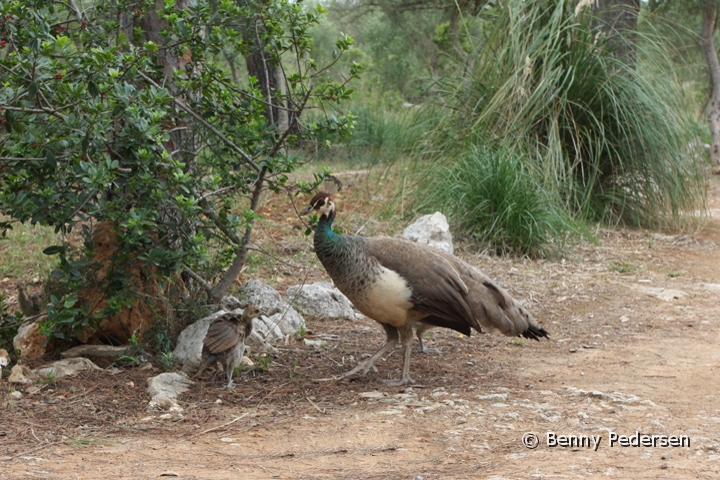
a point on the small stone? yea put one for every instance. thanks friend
(247, 362)
(4, 359)
(493, 397)
(15, 395)
(664, 466)
(372, 394)
(667, 456)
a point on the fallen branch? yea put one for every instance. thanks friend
(223, 425)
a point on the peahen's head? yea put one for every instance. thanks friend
(323, 203)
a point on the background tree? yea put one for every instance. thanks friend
(124, 118)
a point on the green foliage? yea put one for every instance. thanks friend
(8, 325)
(263, 362)
(622, 267)
(605, 138)
(137, 125)
(491, 196)
(397, 49)
(167, 361)
(380, 135)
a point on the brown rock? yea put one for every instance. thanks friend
(132, 320)
(30, 342)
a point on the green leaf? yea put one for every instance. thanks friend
(32, 89)
(93, 89)
(54, 249)
(9, 120)
(70, 301)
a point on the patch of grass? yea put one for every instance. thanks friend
(674, 274)
(491, 196)
(87, 442)
(608, 138)
(263, 362)
(167, 361)
(622, 267)
(21, 250)
(49, 378)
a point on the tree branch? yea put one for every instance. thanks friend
(248, 160)
(208, 288)
(241, 254)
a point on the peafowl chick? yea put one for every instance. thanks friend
(405, 286)
(225, 341)
(30, 304)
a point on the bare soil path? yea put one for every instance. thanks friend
(635, 325)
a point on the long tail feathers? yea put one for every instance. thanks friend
(535, 333)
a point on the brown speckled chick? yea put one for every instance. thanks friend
(225, 341)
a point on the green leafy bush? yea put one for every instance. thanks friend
(491, 197)
(123, 119)
(606, 138)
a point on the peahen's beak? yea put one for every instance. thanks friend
(308, 209)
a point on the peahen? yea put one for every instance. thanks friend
(405, 285)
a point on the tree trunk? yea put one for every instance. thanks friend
(618, 18)
(708, 47)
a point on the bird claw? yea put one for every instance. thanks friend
(399, 382)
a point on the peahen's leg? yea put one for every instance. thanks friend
(392, 340)
(406, 339)
(421, 328)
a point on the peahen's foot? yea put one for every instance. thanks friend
(363, 367)
(399, 382)
(370, 362)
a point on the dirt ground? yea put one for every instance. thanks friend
(635, 348)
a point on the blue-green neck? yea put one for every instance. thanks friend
(324, 230)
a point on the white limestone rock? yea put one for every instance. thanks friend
(322, 300)
(432, 230)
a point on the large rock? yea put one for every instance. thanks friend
(30, 342)
(164, 390)
(66, 367)
(278, 313)
(431, 230)
(322, 300)
(22, 374)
